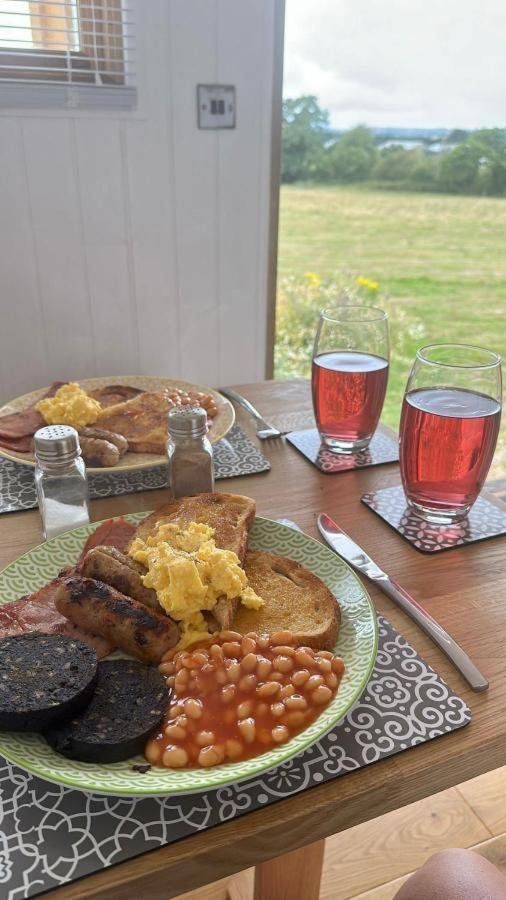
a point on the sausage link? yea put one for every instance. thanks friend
(102, 435)
(117, 569)
(128, 624)
(98, 452)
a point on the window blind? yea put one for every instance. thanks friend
(70, 43)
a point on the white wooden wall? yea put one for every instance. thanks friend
(132, 242)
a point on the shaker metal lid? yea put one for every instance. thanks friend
(56, 442)
(187, 420)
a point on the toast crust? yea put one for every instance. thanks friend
(231, 516)
(295, 599)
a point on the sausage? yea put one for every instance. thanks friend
(109, 565)
(102, 435)
(129, 625)
(98, 453)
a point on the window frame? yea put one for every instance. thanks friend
(59, 78)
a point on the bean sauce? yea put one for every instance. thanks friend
(240, 696)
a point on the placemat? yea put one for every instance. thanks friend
(486, 519)
(382, 449)
(50, 835)
(233, 455)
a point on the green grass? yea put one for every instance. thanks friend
(440, 260)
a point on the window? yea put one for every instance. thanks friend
(67, 43)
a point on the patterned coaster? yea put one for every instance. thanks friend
(487, 519)
(233, 455)
(294, 420)
(382, 449)
(50, 835)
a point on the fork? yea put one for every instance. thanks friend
(264, 430)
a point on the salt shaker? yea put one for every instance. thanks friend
(189, 451)
(60, 480)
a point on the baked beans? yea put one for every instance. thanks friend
(180, 397)
(236, 697)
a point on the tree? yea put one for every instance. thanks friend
(410, 167)
(490, 144)
(473, 162)
(457, 136)
(352, 156)
(478, 165)
(459, 170)
(305, 132)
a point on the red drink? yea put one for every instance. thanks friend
(448, 438)
(348, 393)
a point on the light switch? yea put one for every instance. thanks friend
(216, 105)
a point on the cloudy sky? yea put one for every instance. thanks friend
(432, 63)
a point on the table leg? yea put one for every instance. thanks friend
(294, 876)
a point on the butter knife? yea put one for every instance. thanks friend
(359, 560)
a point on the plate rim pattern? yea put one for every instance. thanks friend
(200, 780)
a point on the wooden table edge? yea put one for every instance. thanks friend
(205, 857)
(346, 801)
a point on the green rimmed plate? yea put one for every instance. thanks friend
(357, 644)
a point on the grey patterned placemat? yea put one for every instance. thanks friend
(50, 835)
(382, 449)
(486, 519)
(233, 455)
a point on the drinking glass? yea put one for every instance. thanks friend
(349, 375)
(449, 425)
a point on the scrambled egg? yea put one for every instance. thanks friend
(69, 406)
(190, 573)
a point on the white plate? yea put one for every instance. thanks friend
(220, 426)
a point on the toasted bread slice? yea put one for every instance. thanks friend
(231, 516)
(142, 420)
(295, 599)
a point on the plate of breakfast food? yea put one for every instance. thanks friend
(121, 420)
(178, 650)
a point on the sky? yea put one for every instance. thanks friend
(410, 63)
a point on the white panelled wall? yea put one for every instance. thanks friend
(132, 242)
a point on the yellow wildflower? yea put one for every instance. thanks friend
(313, 279)
(367, 283)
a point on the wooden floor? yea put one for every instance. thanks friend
(371, 861)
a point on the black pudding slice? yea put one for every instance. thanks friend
(129, 701)
(43, 677)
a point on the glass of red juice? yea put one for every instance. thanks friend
(450, 421)
(349, 375)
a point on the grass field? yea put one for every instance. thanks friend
(440, 260)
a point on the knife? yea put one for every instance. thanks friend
(359, 560)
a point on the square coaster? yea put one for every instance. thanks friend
(382, 449)
(486, 519)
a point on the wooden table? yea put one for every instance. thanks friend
(464, 589)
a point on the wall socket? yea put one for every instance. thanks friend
(216, 105)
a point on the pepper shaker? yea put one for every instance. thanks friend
(60, 480)
(189, 451)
